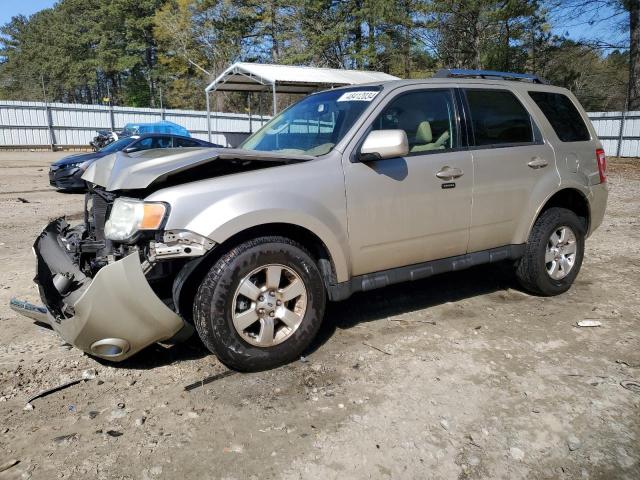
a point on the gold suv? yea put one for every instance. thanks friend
(348, 190)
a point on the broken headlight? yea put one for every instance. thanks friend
(129, 216)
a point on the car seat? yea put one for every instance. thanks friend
(424, 139)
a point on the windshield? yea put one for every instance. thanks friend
(315, 124)
(117, 145)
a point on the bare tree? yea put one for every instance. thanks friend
(595, 11)
(633, 6)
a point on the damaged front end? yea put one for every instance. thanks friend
(111, 299)
(113, 284)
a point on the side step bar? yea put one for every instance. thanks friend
(370, 281)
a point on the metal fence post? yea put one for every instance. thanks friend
(52, 135)
(112, 119)
(621, 134)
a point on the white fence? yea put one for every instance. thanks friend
(619, 132)
(61, 125)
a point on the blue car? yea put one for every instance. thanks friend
(65, 174)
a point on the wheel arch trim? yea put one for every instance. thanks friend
(583, 192)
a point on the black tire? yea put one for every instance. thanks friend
(213, 305)
(531, 269)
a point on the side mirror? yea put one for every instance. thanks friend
(381, 144)
(130, 149)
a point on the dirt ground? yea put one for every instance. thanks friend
(457, 376)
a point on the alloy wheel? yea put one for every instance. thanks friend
(269, 305)
(560, 254)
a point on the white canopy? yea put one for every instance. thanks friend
(257, 77)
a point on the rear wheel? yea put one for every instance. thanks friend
(553, 254)
(261, 304)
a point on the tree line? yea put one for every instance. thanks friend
(164, 52)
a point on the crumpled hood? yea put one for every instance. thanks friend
(122, 171)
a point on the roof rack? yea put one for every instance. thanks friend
(461, 72)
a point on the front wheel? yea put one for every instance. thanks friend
(553, 255)
(261, 304)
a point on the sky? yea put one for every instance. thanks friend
(604, 25)
(605, 28)
(11, 8)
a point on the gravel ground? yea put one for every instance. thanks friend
(457, 376)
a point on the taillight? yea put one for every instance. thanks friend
(602, 164)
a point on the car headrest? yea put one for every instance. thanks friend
(424, 133)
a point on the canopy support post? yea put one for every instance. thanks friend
(249, 106)
(275, 107)
(208, 116)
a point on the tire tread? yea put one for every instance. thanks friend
(233, 351)
(530, 271)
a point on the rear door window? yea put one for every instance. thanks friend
(162, 142)
(562, 115)
(152, 142)
(185, 142)
(498, 118)
(144, 144)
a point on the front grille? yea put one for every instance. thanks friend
(100, 207)
(97, 206)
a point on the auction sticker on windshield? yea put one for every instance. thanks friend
(360, 96)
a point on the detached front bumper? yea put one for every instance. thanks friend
(112, 315)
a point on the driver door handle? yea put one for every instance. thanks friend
(538, 162)
(449, 173)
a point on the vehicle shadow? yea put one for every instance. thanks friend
(413, 296)
(158, 355)
(360, 308)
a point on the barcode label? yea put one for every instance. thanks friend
(361, 96)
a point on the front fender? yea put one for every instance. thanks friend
(309, 195)
(232, 215)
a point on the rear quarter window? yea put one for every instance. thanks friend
(563, 116)
(498, 118)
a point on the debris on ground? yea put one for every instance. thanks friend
(573, 443)
(49, 391)
(631, 385)
(23, 200)
(117, 413)
(628, 364)
(516, 453)
(377, 348)
(66, 438)
(89, 374)
(589, 323)
(210, 379)
(408, 322)
(7, 465)
(140, 421)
